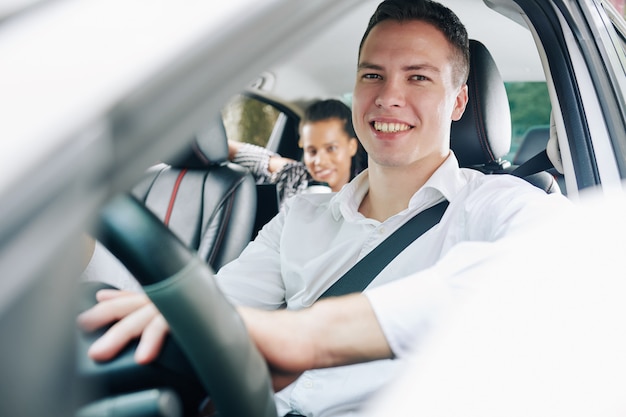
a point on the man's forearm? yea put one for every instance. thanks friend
(333, 332)
(345, 330)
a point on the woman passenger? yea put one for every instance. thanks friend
(332, 153)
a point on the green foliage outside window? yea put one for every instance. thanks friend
(530, 106)
(249, 120)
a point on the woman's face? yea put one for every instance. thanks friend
(328, 151)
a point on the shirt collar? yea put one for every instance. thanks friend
(445, 182)
(347, 201)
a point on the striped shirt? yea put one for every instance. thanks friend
(291, 179)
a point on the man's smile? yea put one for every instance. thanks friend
(386, 127)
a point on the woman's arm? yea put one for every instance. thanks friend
(255, 157)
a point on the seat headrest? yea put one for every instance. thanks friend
(208, 147)
(483, 134)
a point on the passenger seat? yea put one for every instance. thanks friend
(534, 142)
(482, 136)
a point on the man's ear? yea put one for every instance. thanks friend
(460, 103)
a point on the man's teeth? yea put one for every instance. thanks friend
(391, 127)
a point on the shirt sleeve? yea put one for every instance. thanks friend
(291, 179)
(409, 309)
(256, 159)
(254, 279)
(498, 206)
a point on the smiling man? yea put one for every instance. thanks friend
(410, 87)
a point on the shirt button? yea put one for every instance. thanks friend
(308, 384)
(381, 231)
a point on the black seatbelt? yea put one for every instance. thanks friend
(538, 163)
(364, 271)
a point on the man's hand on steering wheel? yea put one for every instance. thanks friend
(134, 316)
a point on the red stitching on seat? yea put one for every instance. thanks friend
(173, 196)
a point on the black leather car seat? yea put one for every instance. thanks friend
(207, 201)
(482, 137)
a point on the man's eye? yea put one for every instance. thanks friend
(419, 78)
(371, 76)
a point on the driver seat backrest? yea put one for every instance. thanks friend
(482, 137)
(207, 201)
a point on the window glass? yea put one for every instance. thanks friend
(620, 28)
(620, 6)
(249, 120)
(616, 12)
(530, 106)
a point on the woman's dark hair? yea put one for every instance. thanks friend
(330, 109)
(321, 110)
(431, 12)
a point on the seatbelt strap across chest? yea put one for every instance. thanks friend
(364, 271)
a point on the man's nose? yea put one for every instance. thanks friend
(391, 94)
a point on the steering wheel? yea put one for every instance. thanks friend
(203, 324)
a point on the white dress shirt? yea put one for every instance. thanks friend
(316, 238)
(546, 338)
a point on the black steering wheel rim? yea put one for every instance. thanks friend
(202, 322)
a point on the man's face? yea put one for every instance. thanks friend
(405, 97)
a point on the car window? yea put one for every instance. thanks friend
(530, 106)
(620, 6)
(253, 117)
(617, 14)
(247, 119)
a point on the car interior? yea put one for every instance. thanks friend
(193, 211)
(535, 142)
(480, 140)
